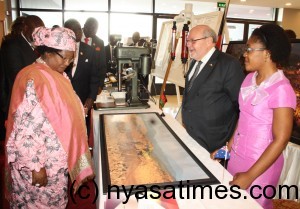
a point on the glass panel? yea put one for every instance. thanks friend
(131, 5)
(49, 18)
(178, 5)
(145, 143)
(251, 12)
(102, 21)
(14, 14)
(236, 31)
(140, 23)
(13, 3)
(38, 4)
(93, 5)
(252, 27)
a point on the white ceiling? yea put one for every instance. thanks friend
(263, 3)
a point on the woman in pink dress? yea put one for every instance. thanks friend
(267, 102)
(46, 137)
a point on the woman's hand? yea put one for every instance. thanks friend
(39, 179)
(243, 180)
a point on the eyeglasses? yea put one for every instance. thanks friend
(65, 59)
(248, 50)
(195, 40)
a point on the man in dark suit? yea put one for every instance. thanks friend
(110, 62)
(18, 52)
(210, 100)
(89, 37)
(83, 73)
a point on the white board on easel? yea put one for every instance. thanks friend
(162, 55)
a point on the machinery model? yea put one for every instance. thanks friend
(139, 58)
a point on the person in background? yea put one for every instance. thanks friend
(109, 49)
(19, 53)
(16, 29)
(267, 102)
(46, 137)
(84, 72)
(89, 37)
(290, 34)
(136, 39)
(210, 99)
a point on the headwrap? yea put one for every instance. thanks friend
(57, 38)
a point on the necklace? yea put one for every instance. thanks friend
(40, 60)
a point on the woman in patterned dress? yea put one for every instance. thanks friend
(46, 136)
(267, 102)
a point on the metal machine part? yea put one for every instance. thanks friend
(139, 58)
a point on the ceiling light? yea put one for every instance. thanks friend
(288, 4)
(243, 0)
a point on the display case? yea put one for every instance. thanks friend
(140, 149)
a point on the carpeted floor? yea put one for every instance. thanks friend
(286, 204)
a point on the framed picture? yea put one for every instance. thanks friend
(141, 150)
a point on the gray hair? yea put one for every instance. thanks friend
(209, 32)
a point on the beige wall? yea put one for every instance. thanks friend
(2, 19)
(291, 20)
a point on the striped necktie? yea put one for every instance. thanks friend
(191, 81)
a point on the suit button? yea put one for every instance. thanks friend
(189, 110)
(191, 127)
(183, 109)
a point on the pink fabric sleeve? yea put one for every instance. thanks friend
(29, 140)
(283, 96)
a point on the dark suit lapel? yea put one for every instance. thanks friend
(28, 52)
(205, 72)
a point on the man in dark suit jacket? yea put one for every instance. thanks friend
(110, 62)
(89, 37)
(83, 73)
(17, 53)
(210, 100)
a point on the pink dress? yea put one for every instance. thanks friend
(254, 131)
(32, 145)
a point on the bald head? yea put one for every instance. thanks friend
(90, 27)
(206, 31)
(200, 41)
(136, 37)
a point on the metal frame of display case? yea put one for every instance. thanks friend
(105, 158)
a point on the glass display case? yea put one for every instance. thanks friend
(141, 149)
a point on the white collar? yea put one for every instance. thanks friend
(30, 44)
